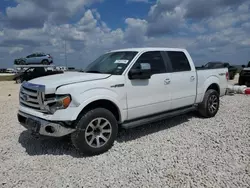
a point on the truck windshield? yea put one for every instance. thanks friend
(111, 63)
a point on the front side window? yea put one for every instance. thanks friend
(32, 55)
(111, 63)
(155, 60)
(179, 61)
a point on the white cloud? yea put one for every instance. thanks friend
(136, 30)
(34, 13)
(138, 1)
(15, 49)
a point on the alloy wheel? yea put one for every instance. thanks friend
(213, 103)
(98, 132)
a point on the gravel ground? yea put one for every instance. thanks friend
(185, 151)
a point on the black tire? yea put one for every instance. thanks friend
(22, 62)
(204, 108)
(82, 125)
(19, 80)
(231, 77)
(45, 62)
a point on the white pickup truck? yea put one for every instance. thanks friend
(127, 88)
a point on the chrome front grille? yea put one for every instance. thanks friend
(32, 96)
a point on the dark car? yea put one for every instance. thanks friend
(36, 58)
(244, 78)
(231, 69)
(34, 72)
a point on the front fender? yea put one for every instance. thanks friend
(93, 95)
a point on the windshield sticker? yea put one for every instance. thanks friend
(122, 61)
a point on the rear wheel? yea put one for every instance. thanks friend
(45, 62)
(95, 132)
(231, 77)
(210, 104)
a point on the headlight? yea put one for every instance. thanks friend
(61, 102)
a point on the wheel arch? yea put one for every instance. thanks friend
(104, 103)
(44, 60)
(215, 87)
(101, 103)
(211, 83)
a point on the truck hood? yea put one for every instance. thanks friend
(54, 81)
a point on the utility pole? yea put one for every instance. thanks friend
(65, 53)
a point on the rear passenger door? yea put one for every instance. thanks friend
(40, 57)
(183, 80)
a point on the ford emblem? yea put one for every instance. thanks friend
(25, 97)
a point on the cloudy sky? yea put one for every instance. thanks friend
(209, 29)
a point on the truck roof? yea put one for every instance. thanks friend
(150, 49)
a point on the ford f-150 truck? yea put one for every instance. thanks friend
(122, 88)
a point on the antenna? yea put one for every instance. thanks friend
(65, 55)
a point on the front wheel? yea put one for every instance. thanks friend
(22, 62)
(19, 80)
(95, 132)
(210, 104)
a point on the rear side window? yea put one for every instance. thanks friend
(179, 61)
(40, 55)
(154, 59)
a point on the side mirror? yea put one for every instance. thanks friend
(142, 72)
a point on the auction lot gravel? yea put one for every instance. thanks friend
(185, 151)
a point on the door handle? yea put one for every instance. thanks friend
(192, 78)
(167, 81)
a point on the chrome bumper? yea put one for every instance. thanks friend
(43, 127)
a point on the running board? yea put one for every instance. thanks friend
(143, 121)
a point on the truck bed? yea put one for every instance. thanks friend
(204, 75)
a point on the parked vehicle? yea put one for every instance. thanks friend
(33, 72)
(122, 88)
(36, 58)
(244, 78)
(214, 65)
(3, 70)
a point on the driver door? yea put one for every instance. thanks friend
(30, 59)
(149, 96)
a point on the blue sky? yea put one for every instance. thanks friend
(216, 30)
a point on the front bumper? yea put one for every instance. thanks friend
(43, 127)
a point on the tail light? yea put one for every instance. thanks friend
(227, 75)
